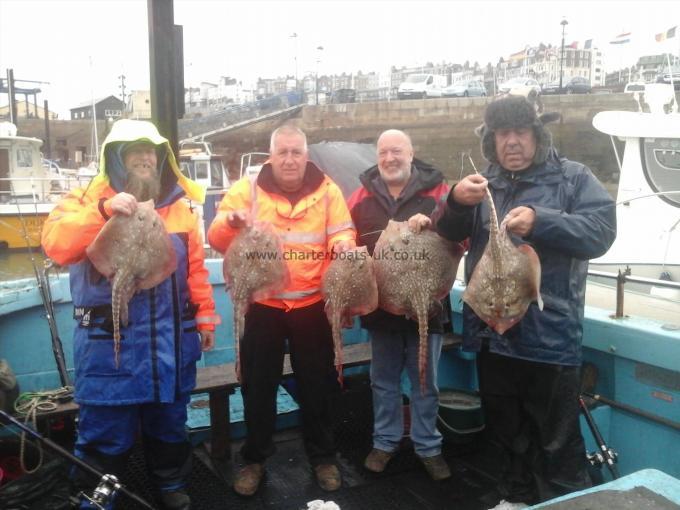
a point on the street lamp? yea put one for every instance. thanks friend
(318, 61)
(564, 24)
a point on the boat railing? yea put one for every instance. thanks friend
(38, 189)
(622, 277)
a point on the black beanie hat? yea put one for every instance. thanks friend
(515, 112)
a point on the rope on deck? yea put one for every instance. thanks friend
(29, 404)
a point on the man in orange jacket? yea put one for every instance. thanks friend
(308, 212)
(168, 325)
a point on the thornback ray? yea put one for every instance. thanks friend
(414, 272)
(254, 270)
(350, 289)
(134, 253)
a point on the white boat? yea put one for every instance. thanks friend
(647, 244)
(29, 188)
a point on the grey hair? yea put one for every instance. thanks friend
(287, 129)
(396, 132)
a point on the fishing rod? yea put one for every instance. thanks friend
(675, 425)
(108, 484)
(46, 298)
(57, 346)
(606, 455)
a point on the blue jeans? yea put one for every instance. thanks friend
(392, 352)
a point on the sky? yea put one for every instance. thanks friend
(81, 47)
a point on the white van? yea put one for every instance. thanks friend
(421, 86)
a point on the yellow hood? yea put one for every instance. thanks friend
(126, 130)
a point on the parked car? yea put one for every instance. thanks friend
(519, 86)
(343, 96)
(634, 86)
(665, 77)
(575, 85)
(464, 89)
(421, 86)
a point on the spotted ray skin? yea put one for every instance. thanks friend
(254, 269)
(350, 289)
(506, 279)
(134, 253)
(414, 273)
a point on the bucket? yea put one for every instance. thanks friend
(460, 416)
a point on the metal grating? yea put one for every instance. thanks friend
(289, 483)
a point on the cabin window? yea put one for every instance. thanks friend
(24, 158)
(216, 174)
(661, 162)
(202, 170)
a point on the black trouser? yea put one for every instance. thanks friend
(311, 354)
(532, 412)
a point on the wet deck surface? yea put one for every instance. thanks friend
(289, 483)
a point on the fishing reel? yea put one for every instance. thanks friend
(598, 459)
(104, 492)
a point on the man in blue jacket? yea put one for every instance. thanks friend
(529, 376)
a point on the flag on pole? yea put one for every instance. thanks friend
(621, 38)
(665, 35)
(588, 44)
(573, 46)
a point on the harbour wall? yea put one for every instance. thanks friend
(442, 130)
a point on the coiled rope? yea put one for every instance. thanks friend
(29, 404)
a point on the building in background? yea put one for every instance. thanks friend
(139, 105)
(106, 108)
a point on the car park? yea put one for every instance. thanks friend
(575, 85)
(464, 89)
(519, 86)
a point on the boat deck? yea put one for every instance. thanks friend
(289, 483)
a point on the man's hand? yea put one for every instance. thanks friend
(343, 246)
(123, 203)
(238, 219)
(471, 190)
(419, 222)
(207, 340)
(520, 220)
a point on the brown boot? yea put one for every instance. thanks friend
(248, 479)
(377, 460)
(436, 467)
(328, 477)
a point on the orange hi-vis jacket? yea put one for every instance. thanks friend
(308, 230)
(75, 222)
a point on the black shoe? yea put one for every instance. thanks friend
(175, 500)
